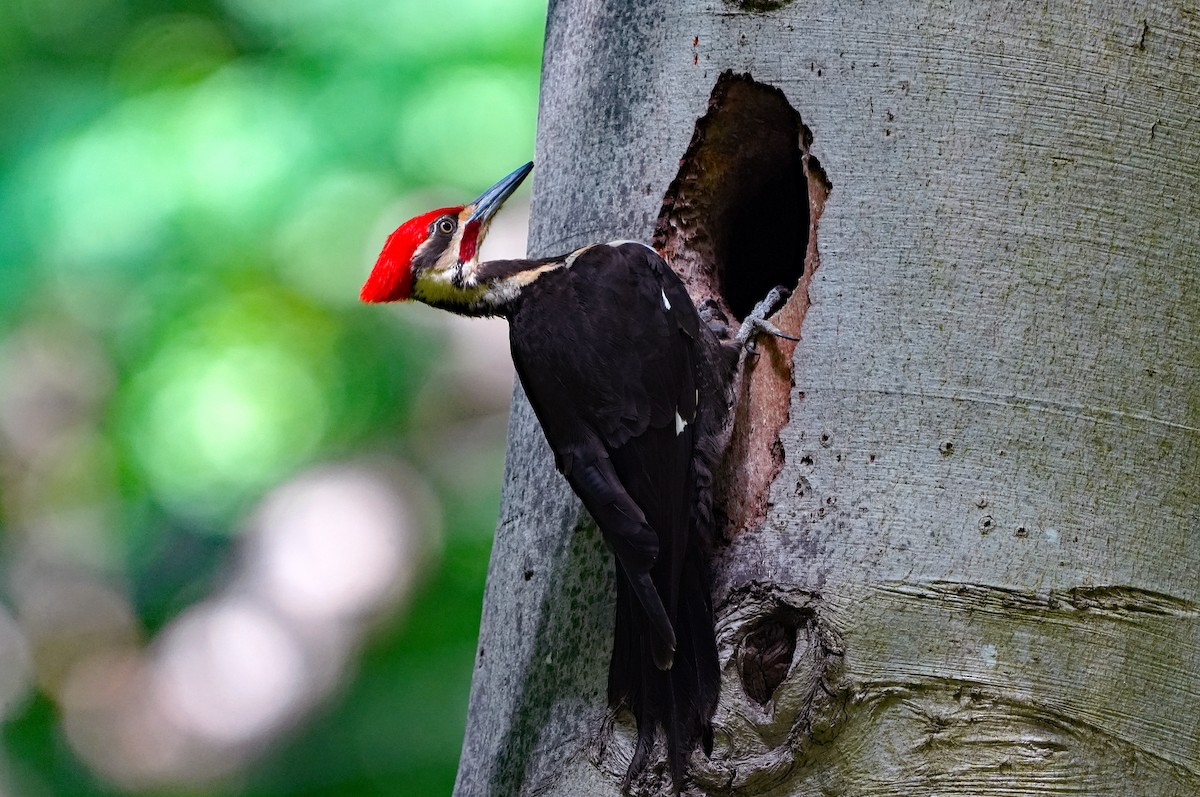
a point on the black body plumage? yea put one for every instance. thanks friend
(618, 367)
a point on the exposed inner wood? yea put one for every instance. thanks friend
(739, 219)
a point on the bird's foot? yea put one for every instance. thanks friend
(756, 323)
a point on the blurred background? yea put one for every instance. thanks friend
(245, 519)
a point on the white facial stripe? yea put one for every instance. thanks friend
(449, 258)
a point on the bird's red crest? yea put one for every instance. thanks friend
(392, 279)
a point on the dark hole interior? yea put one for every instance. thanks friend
(740, 202)
(765, 230)
(766, 655)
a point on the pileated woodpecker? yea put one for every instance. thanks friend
(626, 379)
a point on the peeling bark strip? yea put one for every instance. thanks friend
(739, 219)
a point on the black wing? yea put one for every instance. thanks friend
(607, 360)
(608, 351)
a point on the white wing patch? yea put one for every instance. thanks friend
(666, 304)
(680, 424)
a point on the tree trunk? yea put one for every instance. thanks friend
(973, 564)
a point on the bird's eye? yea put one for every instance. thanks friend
(445, 226)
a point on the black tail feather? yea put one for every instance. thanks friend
(682, 699)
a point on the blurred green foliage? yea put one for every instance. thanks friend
(190, 195)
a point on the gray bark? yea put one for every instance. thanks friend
(984, 533)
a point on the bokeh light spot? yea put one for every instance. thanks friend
(243, 135)
(230, 671)
(112, 189)
(335, 542)
(222, 419)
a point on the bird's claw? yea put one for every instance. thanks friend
(757, 323)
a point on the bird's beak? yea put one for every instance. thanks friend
(490, 200)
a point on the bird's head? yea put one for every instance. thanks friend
(433, 257)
